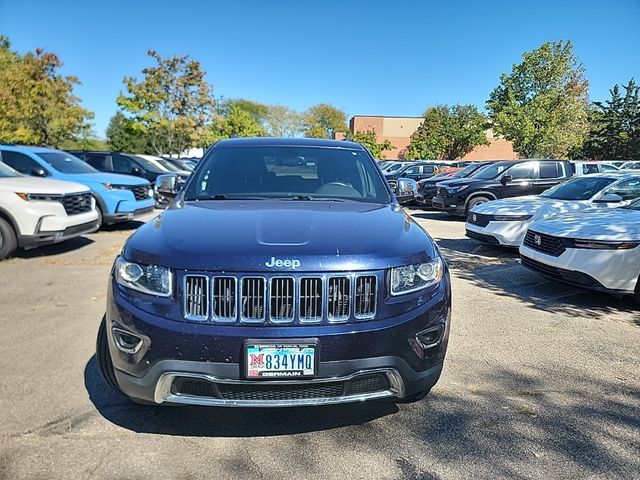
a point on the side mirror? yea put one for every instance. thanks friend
(407, 186)
(137, 171)
(610, 198)
(404, 174)
(506, 179)
(38, 172)
(168, 184)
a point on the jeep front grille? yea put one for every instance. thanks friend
(280, 299)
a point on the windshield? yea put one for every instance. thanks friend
(491, 171)
(582, 188)
(66, 163)
(168, 165)
(149, 166)
(7, 171)
(393, 168)
(633, 206)
(304, 173)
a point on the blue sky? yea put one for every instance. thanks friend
(366, 57)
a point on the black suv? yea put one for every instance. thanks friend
(500, 180)
(118, 162)
(416, 171)
(427, 187)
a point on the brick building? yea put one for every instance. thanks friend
(398, 131)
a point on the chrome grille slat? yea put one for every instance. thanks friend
(282, 299)
(365, 296)
(253, 299)
(224, 299)
(338, 301)
(310, 299)
(196, 297)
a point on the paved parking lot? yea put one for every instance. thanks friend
(541, 381)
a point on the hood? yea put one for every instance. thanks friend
(456, 182)
(40, 185)
(103, 177)
(242, 236)
(530, 205)
(621, 224)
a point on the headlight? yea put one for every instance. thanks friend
(456, 189)
(151, 279)
(596, 245)
(411, 278)
(512, 218)
(42, 197)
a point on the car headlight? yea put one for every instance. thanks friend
(457, 189)
(512, 218)
(151, 279)
(41, 197)
(411, 278)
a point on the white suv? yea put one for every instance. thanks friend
(38, 211)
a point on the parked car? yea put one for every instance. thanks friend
(167, 165)
(415, 170)
(587, 167)
(118, 162)
(512, 178)
(302, 308)
(505, 222)
(427, 187)
(594, 250)
(630, 166)
(39, 211)
(183, 164)
(118, 197)
(393, 166)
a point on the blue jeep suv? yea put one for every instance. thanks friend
(118, 197)
(283, 273)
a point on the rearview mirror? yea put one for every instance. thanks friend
(38, 172)
(506, 179)
(611, 198)
(168, 184)
(137, 171)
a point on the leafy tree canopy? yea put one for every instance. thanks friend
(237, 122)
(282, 121)
(448, 133)
(171, 105)
(541, 106)
(323, 121)
(121, 136)
(615, 126)
(37, 103)
(369, 139)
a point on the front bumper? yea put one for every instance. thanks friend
(358, 361)
(124, 214)
(48, 237)
(614, 271)
(452, 205)
(507, 234)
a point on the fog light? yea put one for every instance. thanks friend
(431, 337)
(126, 342)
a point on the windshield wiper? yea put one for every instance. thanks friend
(310, 198)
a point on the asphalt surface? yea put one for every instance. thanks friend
(541, 381)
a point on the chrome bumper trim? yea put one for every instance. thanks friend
(163, 393)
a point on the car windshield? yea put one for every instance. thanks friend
(491, 171)
(288, 172)
(149, 166)
(169, 165)
(466, 171)
(7, 171)
(66, 163)
(394, 167)
(582, 188)
(633, 205)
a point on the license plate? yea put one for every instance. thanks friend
(279, 361)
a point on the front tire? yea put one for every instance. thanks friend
(104, 357)
(8, 240)
(476, 201)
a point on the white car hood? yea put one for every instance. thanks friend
(40, 185)
(621, 224)
(531, 205)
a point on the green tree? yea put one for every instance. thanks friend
(283, 121)
(237, 122)
(171, 105)
(615, 126)
(541, 106)
(448, 133)
(323, 121)
(121, 136)
(37, 103)
(258, 111)
(369, 139)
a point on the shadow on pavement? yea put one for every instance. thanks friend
(457, 249)
(435, 215)
(117, 227)
(526, 423)
(55, 249)
(224, 422)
